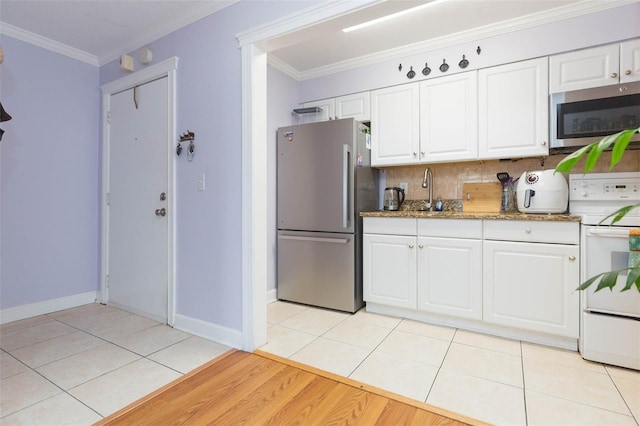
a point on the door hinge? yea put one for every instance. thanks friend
(109, 117)
(108, 198)
(106, 281)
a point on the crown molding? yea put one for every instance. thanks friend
(283, 67)
(301, 19)
(47, 43)
(541, 18)
(157, 32)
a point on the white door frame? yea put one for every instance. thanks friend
(254, 161)
(167, 69)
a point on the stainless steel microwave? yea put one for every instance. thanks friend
(582, 117)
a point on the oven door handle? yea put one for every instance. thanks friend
(609, 232)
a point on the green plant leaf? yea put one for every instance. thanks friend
(569, 162)
(585, 285)
(619, 214)
(609, 280)
(633, 278)
(597, 150)
(623, 140)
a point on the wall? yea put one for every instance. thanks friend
(209, 228)
(448, 178)
(570, 34)
(49, 169)
(282, 98)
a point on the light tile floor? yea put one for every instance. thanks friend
(76, 366)
(496, 380)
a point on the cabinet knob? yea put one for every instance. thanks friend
(527, 230)
(415, 154)
(420, 246)
(572, 258)
(410, 245)
(543, 143)
(627, 72)
(422, 153)
(614, 75)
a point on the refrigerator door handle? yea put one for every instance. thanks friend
(316, 239)
(346, 162)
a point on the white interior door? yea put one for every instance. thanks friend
(138, 237)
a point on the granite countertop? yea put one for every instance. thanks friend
(452, 209)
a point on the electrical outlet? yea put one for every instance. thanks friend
(405, 186)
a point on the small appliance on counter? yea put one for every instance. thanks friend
(393, 198)
(542, 191)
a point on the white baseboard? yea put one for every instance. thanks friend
(226, 336)
(34, 309)
(272, 295)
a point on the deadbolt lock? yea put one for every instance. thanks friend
(163, 196)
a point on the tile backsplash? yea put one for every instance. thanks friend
(448, 178)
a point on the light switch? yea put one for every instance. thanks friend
(201, 182)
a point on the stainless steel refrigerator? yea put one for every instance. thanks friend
(325, 180)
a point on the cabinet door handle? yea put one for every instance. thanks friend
(410, 245)
(572, 258)
(614, 75)
(527, 230)
(415, 154)
(543, 143)
(627, 72)
(420, 246)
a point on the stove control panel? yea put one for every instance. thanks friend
(605, 186)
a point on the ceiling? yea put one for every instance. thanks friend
(104, 29)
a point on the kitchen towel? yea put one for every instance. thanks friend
(634, 247)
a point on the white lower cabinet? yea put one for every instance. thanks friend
(450, 276)
(389, 270)
(516, 274)
(531, 285)
(450, 267)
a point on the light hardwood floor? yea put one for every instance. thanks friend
(260, 388)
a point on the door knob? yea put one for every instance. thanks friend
(161, 212)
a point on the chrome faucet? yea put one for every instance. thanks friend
(427, 182)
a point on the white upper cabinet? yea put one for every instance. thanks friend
(327, 106)
(598, 66)
(584, 68)
(630, 61)
(357, 106)
(449, 118)
(514, 110)
(395, 119)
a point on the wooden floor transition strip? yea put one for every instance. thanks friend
(241, 388)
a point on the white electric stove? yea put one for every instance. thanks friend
(609, 320)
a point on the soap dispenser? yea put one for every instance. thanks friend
(439, 204)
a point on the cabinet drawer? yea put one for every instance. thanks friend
(392, 226)
(450, 228)
(530, 231)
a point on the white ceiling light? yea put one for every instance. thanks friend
(392, 16)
